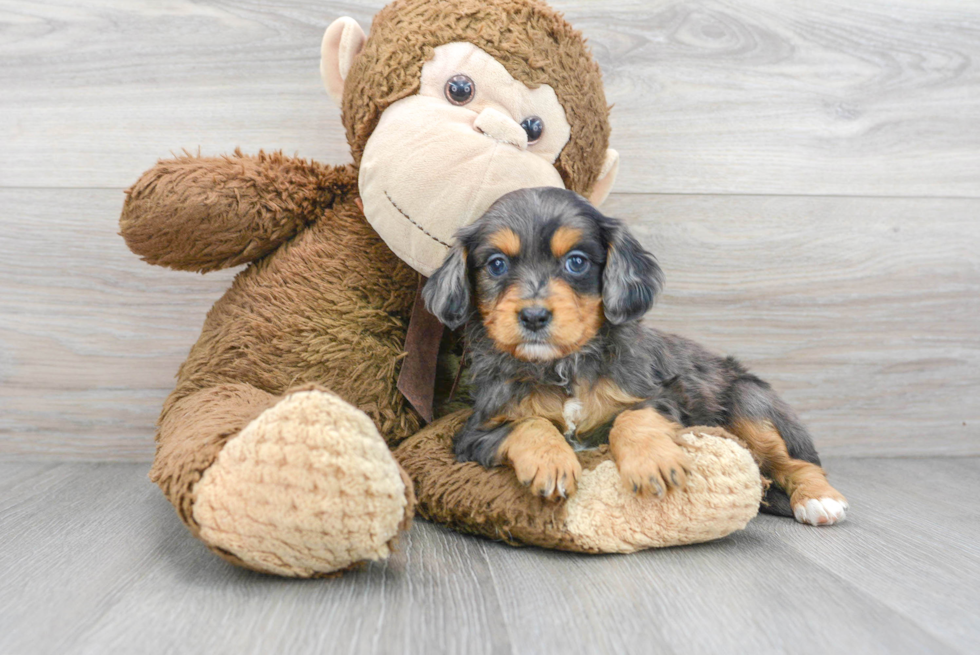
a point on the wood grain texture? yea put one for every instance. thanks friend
(863, 312)
(756, 96)
(90, 336)
(93, 560)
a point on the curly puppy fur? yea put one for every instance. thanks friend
(613, 371)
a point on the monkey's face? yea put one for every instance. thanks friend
(437, 160)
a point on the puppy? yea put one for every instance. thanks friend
(551, 292)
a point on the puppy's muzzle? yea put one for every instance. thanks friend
(534, 319)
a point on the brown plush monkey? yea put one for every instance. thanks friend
(274, 446)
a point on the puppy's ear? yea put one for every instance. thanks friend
(447, 292)
(631, 280)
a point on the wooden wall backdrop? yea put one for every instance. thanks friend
(809, 174)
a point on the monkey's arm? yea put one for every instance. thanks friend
(206, 213)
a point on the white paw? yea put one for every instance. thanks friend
(823, 511)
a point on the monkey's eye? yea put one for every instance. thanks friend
(460, 89)
(577, 263)
(534, 126)
(498, 265)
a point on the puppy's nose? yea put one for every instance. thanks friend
(534, 318)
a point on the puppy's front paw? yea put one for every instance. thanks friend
(654, 468)
(542, 459)
(551, 472)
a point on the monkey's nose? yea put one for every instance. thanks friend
(500, 127)
(534, 318)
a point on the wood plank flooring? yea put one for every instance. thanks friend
(93, 560)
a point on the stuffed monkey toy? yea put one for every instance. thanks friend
(275, 445)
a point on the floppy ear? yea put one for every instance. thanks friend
(447, 292)
(631, 280)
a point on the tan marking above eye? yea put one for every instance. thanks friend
(506, 241)
(564, 239)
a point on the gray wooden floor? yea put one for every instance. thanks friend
(93, 560)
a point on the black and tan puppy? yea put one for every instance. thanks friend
(552, 292)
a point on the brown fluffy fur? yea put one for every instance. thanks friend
(203, 214)
(508, 242)
(600, 403)
(324, 301)
(564, 239)
(577, 318)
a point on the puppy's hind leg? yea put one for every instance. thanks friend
(786, 454)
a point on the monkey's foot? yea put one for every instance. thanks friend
(307, 488)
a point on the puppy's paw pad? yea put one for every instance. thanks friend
(550, 473)
(655, 473)
(821, 511)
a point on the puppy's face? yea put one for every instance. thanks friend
(538, 285)
(545, 269)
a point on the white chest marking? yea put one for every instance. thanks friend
(572, 413)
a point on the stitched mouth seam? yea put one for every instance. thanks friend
(422, 229)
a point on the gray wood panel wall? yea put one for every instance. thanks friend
(808, 174)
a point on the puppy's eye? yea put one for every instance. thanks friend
(498, 265)
(577, 263)
(460, 89)
(534, 127)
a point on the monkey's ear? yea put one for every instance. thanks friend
(610, 166)
(447, 292)
(342, 41)
(631, 280)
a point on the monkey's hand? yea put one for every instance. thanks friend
(205, 213)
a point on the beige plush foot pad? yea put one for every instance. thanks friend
(309, 487)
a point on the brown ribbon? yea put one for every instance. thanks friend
(417, 379)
